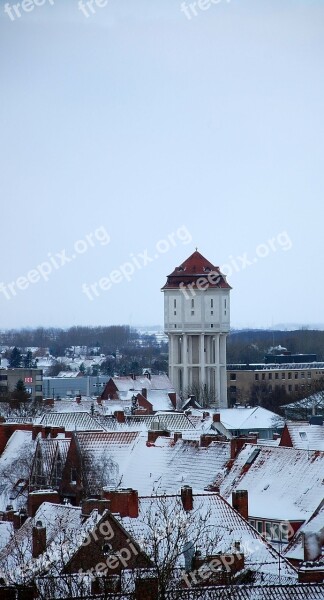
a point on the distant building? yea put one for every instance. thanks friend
(197, 321)
(32, 379)
(289, 376)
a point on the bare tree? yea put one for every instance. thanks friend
(204, 394)
(171, 536)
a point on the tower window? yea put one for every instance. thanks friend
(211, 312)
(211, 303)
(192, 312)
(174, 304)
(175, 312)
(192, 303)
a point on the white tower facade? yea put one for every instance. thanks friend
(197, 321)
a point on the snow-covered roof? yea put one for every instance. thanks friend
(315, 524)
(154, 382)
(66, 528)
(306, 436)
(172, 421)
(249, 418)
(47, 451)
(73, 421)
(282, 483)
(215, 526)
(166, 466)
(110, 448)
(15, 464)
(249, 592)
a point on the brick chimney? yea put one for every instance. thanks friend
(207, 438)
(177, 436)
(19, 518)
(36, 499)
(240, 502)
(120, 416)
(49, 402)
(90, 504)
(186, 497)
(39, 539)
(123, 501)
(133, 376)
(8, 515)
(276, 436)
(36, 430)
(144, 393)
(216, 418)
(153, 434)
(78, 399)
(237, 444)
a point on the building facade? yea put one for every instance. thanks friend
(291, 377)
(197, 321)
(32, 379)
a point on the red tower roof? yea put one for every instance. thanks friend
(194, 268)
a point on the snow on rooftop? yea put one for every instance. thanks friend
(282, 483)
(306, 436)
(215, 524)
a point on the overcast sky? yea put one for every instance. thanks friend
(132, 133)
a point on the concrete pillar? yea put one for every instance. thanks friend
(185, 362)
(202, 359)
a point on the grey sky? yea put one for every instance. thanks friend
(137, 122)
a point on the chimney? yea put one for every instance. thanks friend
(144, 393)
(35, 499)
(122, 501)
(90, 504)
(186, 497)
(8, 515)
(39, 539)
(205, 415)
(49, 402)
(173, 398)
(78, 399)
(276, 436)
(19, 518)
(240, 503)
(133, 376)
(36, 430)
(120, 416)
(237, 444)
(216, 418)
(153, 434)
(99, 400)
(177, 436)
(207, 438)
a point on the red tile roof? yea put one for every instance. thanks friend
(195, 267)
